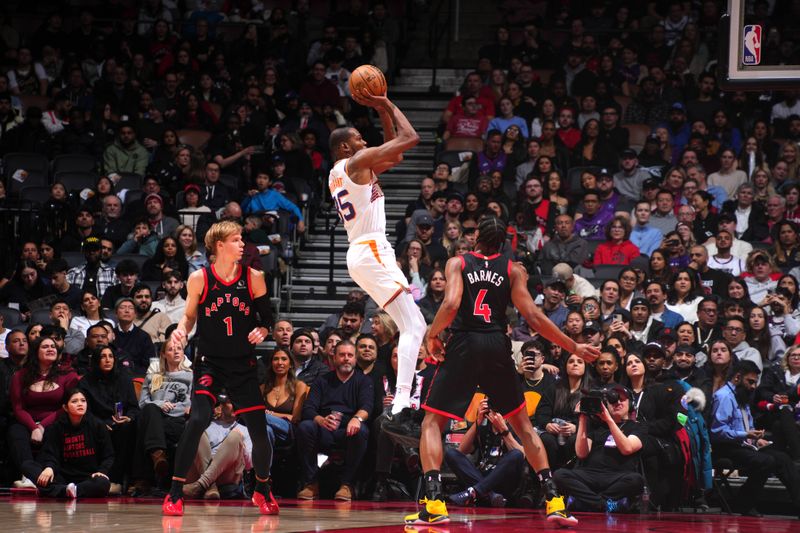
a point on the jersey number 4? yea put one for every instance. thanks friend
(482, 309)
(345, 208)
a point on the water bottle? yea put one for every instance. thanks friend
(562, 440)
(645, 507)
(288, 253)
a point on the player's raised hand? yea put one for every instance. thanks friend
(258, 335)
(364, 97)
(587, 352)
(436, 348)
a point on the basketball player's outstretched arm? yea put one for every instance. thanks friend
(539, 322)
(378, 159)
(453, 292)
(194, 291)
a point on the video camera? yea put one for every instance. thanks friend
(591, 400)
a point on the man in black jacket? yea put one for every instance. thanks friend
(131, 340)
(309, 367)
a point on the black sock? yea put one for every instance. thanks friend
(547, 484)
(433, 485)
(263, 487)
(176, 490)
(544, 474)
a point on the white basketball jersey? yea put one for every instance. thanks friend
(360, 206)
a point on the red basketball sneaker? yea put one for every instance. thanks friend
(265, 506)
(171, 508)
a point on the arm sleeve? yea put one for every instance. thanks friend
(287, 204)
(18, 406)
(50, 454)
(366, 395)
(105, 450)
(722, 420)
(312, 403)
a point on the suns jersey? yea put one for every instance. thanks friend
(486, 295)
(361, 207)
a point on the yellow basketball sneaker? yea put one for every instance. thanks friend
(434, 512)
(557, 512)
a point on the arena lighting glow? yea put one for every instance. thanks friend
(738, 69)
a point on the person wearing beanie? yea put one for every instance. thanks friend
(308, 366)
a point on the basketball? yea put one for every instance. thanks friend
(369, 78)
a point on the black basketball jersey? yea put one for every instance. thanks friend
(487, 292)
(226, 315)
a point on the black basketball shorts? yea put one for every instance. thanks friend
(472, 360)
(238, 377)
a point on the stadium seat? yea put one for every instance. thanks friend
(40, 316)
(136, 258)
(76, 180)
(198, 139)
(574, 177)
(33, 179)
(624, 102)
(129, 180)
(638, 135)
(605, 272)
(74, 163)
(11, 317)
(32, 162)
(463, 144)
(73, 259)
(36, 194)
(230, 181)
(133, 196)
(451, 157)
(34, 100)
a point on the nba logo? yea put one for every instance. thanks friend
(751, 37)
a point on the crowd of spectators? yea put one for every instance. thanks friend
(677, 252)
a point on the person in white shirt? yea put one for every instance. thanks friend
(172, 304)
(738, 247)
(724, 260)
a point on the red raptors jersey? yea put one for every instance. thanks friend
(226, 316)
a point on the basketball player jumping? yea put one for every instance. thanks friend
(371, 262)
(479, 287)
(232, 311)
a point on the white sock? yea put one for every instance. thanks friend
(411, 324)
(72, 491)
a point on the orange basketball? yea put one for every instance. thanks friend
(369, 78)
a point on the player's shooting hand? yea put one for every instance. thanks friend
(436, 348)
(258, 335)
(364, 97)
(587, 352)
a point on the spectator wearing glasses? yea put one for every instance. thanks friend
(734, 334)
(607, 478)
(617, 248)
(707, 328)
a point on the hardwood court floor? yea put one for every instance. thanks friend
(125, 515)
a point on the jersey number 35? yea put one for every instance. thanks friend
(345, 208)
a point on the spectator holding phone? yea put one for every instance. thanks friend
(608, 478)
(500, 460)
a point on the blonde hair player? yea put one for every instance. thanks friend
(230, 306)
(371, 262)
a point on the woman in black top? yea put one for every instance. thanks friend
(76, 455)
(705, 221)
(434, 295)
(169, 256)
(560, 419)
(106, 385)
